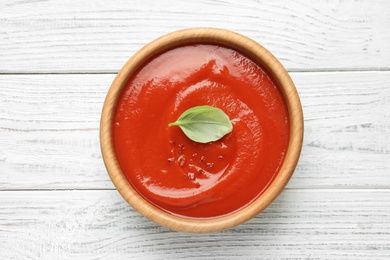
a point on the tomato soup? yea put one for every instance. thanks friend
(187, 178)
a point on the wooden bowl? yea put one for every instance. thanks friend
(259, 55)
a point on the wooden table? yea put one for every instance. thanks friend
(57, 61)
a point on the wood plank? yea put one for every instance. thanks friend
(78, 36)
(347, 130)
(332, 224)
(49, 131)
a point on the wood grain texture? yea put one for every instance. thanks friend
(347, 130)
(49, 131)
(50, 138)
(80, 36)
(332, 224)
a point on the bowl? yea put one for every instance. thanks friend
(256, 53)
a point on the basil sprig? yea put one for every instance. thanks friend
(204, 124)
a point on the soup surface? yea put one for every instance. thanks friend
(191, 179)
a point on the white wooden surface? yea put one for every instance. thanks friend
(57, 60)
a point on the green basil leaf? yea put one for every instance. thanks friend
(204, 124)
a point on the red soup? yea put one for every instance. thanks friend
(192, 179)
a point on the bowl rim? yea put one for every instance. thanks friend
(255, 52)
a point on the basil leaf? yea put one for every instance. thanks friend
(204, 124)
